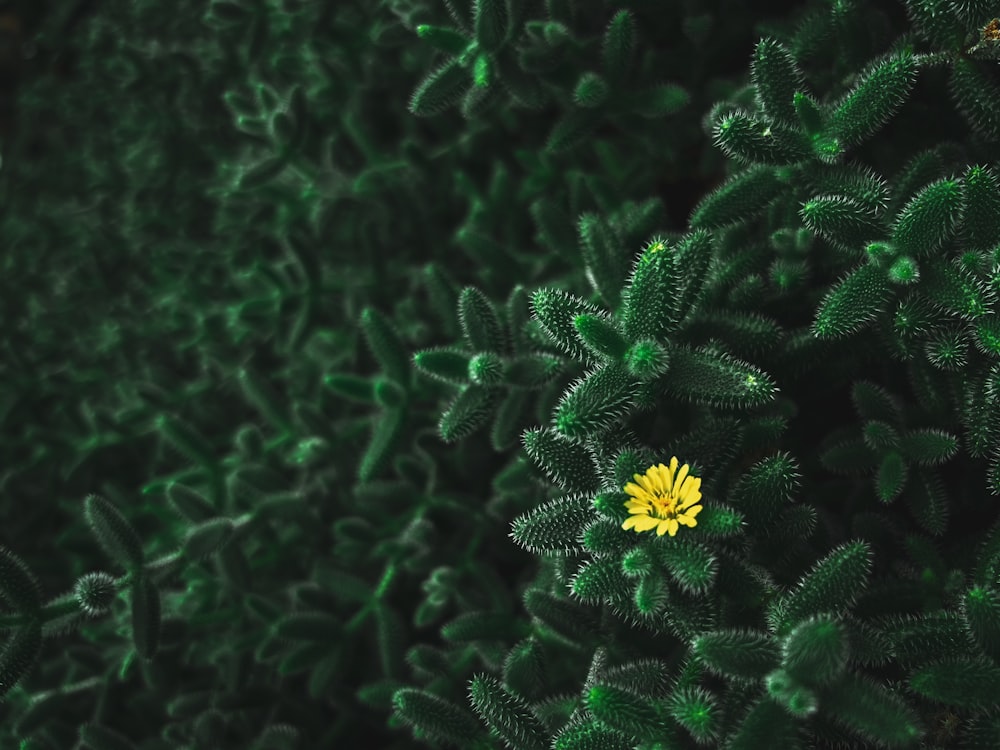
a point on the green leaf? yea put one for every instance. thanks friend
(444, 39)
(630, 714)
(854, 301)
(593, 404)
(491, 23)
(832, 585)
(568, 464)
(754, 140)
(435, 716)
(478, 102)
(842, 221)
(460, 12)
(190, 503)
(698, 711)
(440, 89)
(572, 129)
(591, 90)
(482, 625)
(939, 22)
(350, 387)
(929, 219)
(554, 227)
(601, 580)
(604, 257)
(654, 102)
(100, 737)
(378, 694)
(524, 668)
(600, 334)
(568, 619)
(928, 446)
(873, 402)
(651, 307)
(18, 585)
(556, 310)
(591, 735)
(872, 710)
(767, 489)
(554, 526)
(387, 431)
(469, 412)
(618, 46)
(712, 377)
(512, 414)
(508, 715)
(892, 475)
(480, 322)
(882, 89)
(811, 117)
(389, 394)
(145, 616)
(768, 724)
(692, 257)
(206, 538)
(532, 371)
(740, 655)
(19, 654)
(114, 533)
(979, 225)
(262, 397)
(966, 682)
(260, 173)
(385, 344)
(647, 360)
(743, 196)
(442, 293)
(186, 440)
(976, 93)
(776, 77)
(691, 566)
(816, 651)
(981, 611)
(446, 364)
(390, 634)
(234, 568)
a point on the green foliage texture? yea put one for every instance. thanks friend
(332, 332)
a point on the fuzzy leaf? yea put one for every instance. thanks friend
(854, 301)
(440, 89)
(114, 533)
(776, 78)
(555, 526)
(508, 715)
(881, 90)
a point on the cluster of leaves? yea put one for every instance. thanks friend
(305, 514)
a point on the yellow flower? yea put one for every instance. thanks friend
(662, 499)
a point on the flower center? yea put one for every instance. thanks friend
(664, 505)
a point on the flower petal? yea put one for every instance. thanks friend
(637, 492)
(658, 473)
(645, 523)
(675, 488)
(689, 499)
(668, 524)
(645, 482)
